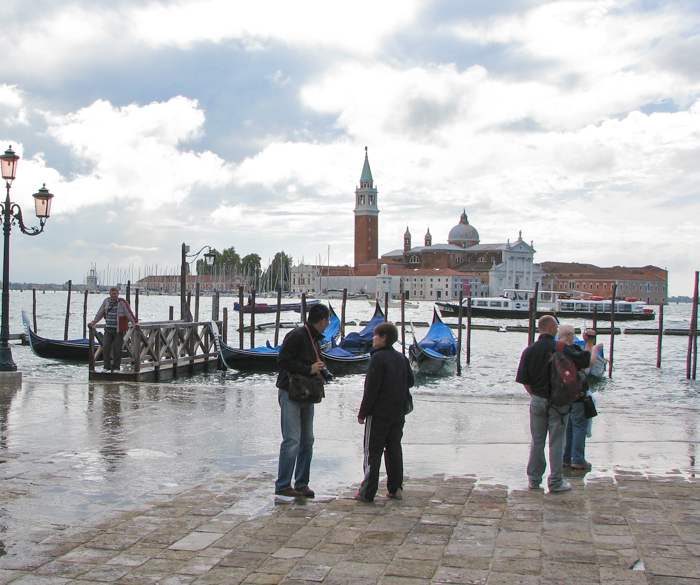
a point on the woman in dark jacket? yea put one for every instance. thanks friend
(383, 410)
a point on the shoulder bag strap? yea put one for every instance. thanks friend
(313, 344)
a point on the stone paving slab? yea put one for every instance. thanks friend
(628, 529)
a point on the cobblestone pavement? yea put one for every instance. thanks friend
(630, 528)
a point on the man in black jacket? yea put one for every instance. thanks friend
(383, 412)
(299, 355)
(533, 373)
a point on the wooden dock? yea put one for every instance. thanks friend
(159, 351)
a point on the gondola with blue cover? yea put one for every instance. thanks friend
(436, 353)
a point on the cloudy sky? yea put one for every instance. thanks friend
(227, 123)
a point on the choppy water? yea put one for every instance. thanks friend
(491, 373)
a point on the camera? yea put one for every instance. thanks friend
(327, 376)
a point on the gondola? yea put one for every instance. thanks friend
(436, 353)
(74, 350)
(264, 358)
(361, 343)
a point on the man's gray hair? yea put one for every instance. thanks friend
(565, 329)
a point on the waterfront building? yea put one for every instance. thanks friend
(170, 284)
(647, 283)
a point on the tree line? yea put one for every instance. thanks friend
(229, 262)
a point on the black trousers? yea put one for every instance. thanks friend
(382, 435)
(112, 342)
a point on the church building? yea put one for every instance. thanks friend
(433, 271)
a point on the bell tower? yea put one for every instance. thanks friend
(366, 217)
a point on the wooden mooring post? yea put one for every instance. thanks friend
(252, 318)
(158, 351)
(34, 308)
(241, 322)
(469, 328)
(660, 337)
(85, 321)
(277, 316)
(459, 333)
(612, 331)
(403, 322)
(386, 306)
(692, 354)
(342, 314)
(303, 308)
(136, 304)
(65, 332)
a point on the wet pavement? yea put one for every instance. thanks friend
(164, 484)
(628, 529)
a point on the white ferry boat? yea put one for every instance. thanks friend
(515, 304)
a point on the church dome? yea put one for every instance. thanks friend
(463, 234)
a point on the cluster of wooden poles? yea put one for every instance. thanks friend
(691, 357)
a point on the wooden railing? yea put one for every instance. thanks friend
(162, 345)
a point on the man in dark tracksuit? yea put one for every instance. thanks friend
(383, 411)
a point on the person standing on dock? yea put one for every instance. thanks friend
(117, 314)
(299, 355)
(545, 418)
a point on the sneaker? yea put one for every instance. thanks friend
(306, 491)
(397, 495)
(565, 486)
(359, 498)
(290, 492)
(582, 465)
(566, 464)
(531, 485)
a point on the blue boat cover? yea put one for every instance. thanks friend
(332, 330)
(362, 342)
(439, 340)
(338, 352)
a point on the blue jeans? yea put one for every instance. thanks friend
(297, 442)
(575, 449)
(546, 419)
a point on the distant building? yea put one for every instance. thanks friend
(207, 283)
(648, 283)
(435, 271)
(463, 264)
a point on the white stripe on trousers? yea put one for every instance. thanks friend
(368, 430)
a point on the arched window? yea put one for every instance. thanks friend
(414, 260)
(459, 260)
(481, 259)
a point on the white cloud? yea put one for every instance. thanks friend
(135, 153)
(357, 27)
(61, 41)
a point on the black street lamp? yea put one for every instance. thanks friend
(12, 214)
(209, 259)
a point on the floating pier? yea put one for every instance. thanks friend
(158, 351)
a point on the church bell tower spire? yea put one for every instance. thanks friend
(366, 217)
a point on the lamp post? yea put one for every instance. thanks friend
(209, 259)
(12, 214)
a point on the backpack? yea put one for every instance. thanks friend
(564, 381)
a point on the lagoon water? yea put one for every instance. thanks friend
(494, 355)
(70, 449)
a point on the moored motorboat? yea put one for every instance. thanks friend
(436, 353)
(515, 304)
(272, 307)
